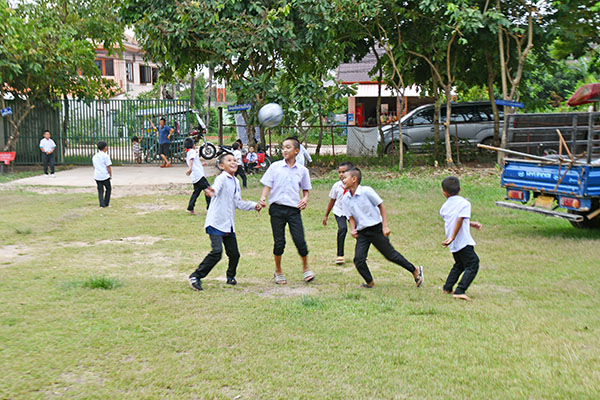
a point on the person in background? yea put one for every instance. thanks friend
(47, 146)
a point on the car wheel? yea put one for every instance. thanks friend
(389, 147)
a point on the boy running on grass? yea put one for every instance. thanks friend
(219, 225)
(335, 204)
(283, 182)
(456, 213)
(196, 171)
(368, 224)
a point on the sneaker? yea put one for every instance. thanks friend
(195, 283)
(231, 281)
(339, 260)
(52, 176)
(191, 212)
(420, 278)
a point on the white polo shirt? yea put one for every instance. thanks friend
(47, 145)
(337, 193)
(101, 161)
(197, 168)
(363, 207)
(454, 208)
(303, 155)
(237, 154)
(286, 183)
(221, 211)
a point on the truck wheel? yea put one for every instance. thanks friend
(586, 223)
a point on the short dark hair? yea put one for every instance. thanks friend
(451, 185)
(222, 156)
(188, 143)
(102, 145)
(346, 164)
(135, 139)
(293, 139)
(235, 145)
(163, 119)
(45, 130)
(240, 142)
(355, 172)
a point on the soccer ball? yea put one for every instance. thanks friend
(270, 115)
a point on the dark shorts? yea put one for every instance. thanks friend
(165, 148)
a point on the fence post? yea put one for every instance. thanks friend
(220, 126)
(332, 143)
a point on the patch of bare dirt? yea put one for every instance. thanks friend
(146, 208)
(14, 253)
(143, 240)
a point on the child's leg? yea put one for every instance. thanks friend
(204, 184)
(454, 274)
(360, 256)
(100, 187)
(382, 243)
(278, 222)
(231, 249)
(45, 163)
(212, 258)
(195, 194)
(51, 162)
(471, 266)
(342, 223)
(108, 188)
(240, 172)
(297, 232)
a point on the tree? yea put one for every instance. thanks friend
(47, 52)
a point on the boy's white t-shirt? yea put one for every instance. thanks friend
(197, 168)
(237, 154)
(47, 144)
(337, 193)
(101, 161)
(454, 208)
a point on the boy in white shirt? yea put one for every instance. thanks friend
(283, 182)
(368, 224)
(196, 172)
(47, 146)
(102, 174)
(456, 213)
(220, 222)
(252, 159)
(335, 203)
(237, 153)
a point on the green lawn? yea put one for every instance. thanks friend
(532, 331)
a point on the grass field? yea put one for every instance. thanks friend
(95, 303)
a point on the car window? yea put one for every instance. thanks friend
(460, 114)
(424, 117)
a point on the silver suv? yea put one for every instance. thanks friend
(473, 121)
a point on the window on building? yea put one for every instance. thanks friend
(129, 72)
(154, 75)
(99, 65)
(109, 68)
(145, 74)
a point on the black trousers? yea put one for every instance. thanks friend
(212, 258)
(199, 186)
(240, 171)
(374, 235)
(280, 216)
(104, 196)
(250, 167)
(342, 223)
(465, 260)
(48, 160)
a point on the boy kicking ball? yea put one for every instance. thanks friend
(368, 224)
(220, 224)
(456, 213)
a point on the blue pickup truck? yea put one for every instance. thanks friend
(553, 166)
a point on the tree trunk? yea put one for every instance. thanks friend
(449, 161)
(490, 86)
(16, 123)
(400, 102)
(379, 125)
(318, 149)
(210, 78)
(193, 91)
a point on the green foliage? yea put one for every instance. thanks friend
(101, 282)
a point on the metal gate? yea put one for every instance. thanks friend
(77, 126)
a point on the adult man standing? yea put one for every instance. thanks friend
(164, 141)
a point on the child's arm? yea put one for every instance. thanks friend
(265, 193)
(475, 224)
(457, 227)
(304, 200)
(353, 230)
(190, 162)
(329, 207)
(109, 171)
(386, 230)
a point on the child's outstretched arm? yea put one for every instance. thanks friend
(329, 207)
(475, 224)
(263, 198)
(189, 170)
(386, 229)
(457, 227)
